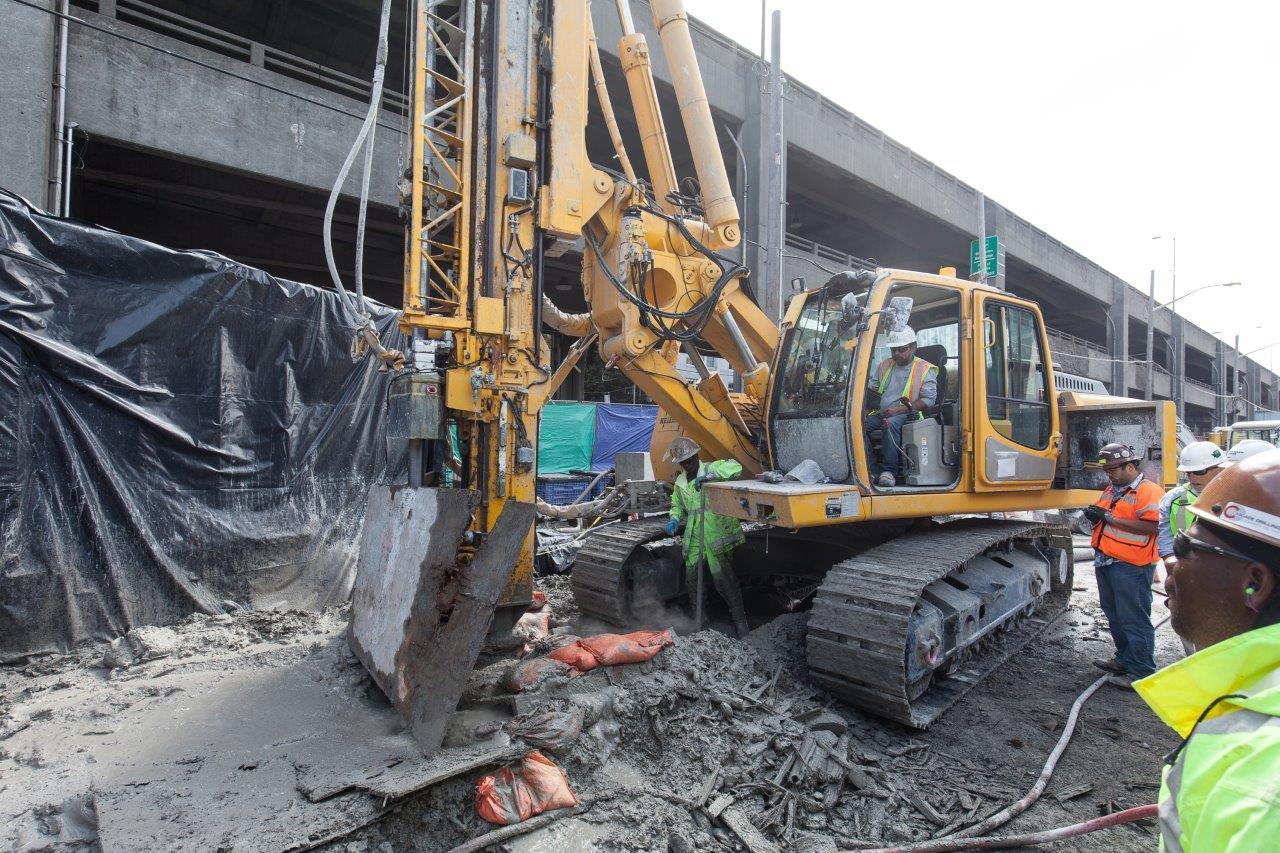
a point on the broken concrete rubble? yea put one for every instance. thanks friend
(262, 731)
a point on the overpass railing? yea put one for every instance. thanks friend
(233, 46)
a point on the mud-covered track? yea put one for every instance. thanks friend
(858, 630)
(600, 585)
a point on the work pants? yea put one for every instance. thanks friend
(1125, 593)
(723, 578)
(890, 442)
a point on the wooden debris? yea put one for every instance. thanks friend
(741, 826)
(1074, 791)
(718, 805)
(924, 807)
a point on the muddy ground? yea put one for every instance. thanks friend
(260, 731)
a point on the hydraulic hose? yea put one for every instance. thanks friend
(1006, 842)
(967, 839)
(365, 134)
(573, 325)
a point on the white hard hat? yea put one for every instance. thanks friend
(1200, 456)
(681, 449)
(902, 337)
(1242, 450)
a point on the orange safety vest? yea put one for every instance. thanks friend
(919, 369)
(1140, 504)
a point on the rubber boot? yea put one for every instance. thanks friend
(726, 582)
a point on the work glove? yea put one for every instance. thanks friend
(1095, 514)
(704, 477)
(671, 526)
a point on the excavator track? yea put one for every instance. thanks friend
(600, 584)
(867, 615)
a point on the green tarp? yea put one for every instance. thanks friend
(566, 436)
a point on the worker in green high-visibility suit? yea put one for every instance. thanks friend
(707, 536)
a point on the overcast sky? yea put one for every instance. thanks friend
(1102, 123)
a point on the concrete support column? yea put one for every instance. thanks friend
(1118, 337)
(1179, 367)
(771, 169)
(996, 223)
(26, 99)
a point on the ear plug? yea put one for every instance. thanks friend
(1250, 589)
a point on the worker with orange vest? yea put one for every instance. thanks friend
(1125, 523)
(906, 385)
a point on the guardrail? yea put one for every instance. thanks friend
(1084, 342)
(233, 46)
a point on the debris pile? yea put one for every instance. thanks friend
(261, 729)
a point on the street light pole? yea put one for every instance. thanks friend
(1151, 337)
(1173, 272)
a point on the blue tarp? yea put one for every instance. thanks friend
(621, 428)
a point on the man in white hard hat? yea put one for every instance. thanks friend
(907, 385)
(1245, 448)
(1201, 461)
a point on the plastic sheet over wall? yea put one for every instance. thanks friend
(621, 428)
(177, 432)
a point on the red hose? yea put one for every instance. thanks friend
(1002, 842)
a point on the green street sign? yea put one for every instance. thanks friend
(995, 257)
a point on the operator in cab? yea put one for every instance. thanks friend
(1221, 786)
(708, 536)
(1125, 520)
(906, 385)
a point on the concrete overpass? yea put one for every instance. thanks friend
(221, 125)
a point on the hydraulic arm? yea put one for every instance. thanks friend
(500, 180)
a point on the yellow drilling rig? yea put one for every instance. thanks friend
(915, 588)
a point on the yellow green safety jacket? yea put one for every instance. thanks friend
(1221, 787)
(720, 533)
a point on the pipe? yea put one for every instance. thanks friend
(606, 106)
(573, 325)
(695, 111)
(58, 129)
(68, 149)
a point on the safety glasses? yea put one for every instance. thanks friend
(1199, 473)
(900, 349)
(1184, 546)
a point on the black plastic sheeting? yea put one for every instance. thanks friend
(178, 433)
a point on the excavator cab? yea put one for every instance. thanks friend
(992, 426)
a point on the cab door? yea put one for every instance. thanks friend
(1016, 435)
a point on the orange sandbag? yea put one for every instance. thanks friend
(533, 671)
(613, 649)
(519, 791)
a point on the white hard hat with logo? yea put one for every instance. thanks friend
(1242, 450)
(901, 338)
(1200, 456)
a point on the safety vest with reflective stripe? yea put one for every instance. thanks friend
(1221, 787)
(1140, 503)
(1179, 518)
(705, 531)
(915, 381)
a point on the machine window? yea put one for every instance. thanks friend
(820, 349)
(1017, 403)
